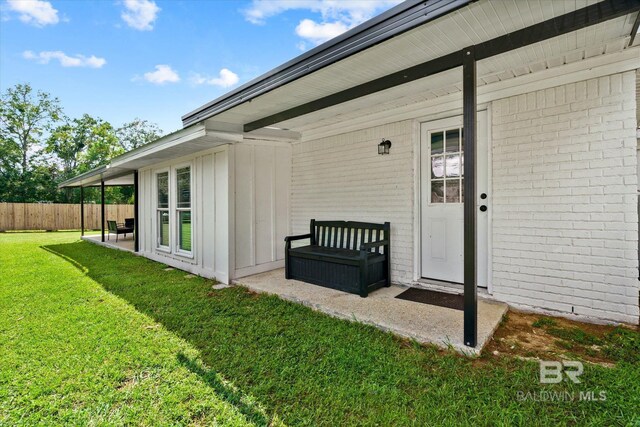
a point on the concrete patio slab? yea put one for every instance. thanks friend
(427, 324)
(123, 244)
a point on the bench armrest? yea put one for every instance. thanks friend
(370, 245)
(298, 237)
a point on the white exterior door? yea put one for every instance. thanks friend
(442, 197)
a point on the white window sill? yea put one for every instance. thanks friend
(188, 255)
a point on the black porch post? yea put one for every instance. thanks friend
(469, 144)
(81, 210)
(102, 208)
(135, 212)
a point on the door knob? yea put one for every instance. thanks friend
(483, 196)
(483, 208)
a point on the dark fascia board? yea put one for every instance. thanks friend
(572, 21)
(395, 21)
(634, 30)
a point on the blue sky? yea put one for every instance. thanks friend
(158, 60)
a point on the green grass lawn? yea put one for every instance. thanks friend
(96, 336)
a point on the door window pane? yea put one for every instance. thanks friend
(163, 221)
(163, 190)
(437, 167)
(453, 190)
(453, 141)
(437, 143)
(453, 165)
(437, 191)
(183, 180)
(184, 224)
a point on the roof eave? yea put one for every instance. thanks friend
(391, 23)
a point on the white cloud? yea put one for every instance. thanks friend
(64, 59)
(226, 78)
(140, 14)
(34, 12)
(163, 74)
(318, 33)
(338, 16)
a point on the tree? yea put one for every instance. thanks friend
(40, 147)
(102, 146)
(80, 145)
(137, 133)
(25, 117)
(83, 144)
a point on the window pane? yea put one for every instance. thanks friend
(453, 191)
(183, 180)
(453, 141)
(184, 224)
(453, 165)
(437, 192)
(163, 190)
(437, 143)
(437, 167)
(163, 224)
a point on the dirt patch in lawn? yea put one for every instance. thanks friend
(536, 336)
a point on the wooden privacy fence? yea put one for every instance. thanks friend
(49, 216)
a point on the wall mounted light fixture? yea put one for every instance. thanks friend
(383, 147)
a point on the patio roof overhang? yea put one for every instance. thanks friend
(192, 139)
(514, 41)
(120, 170)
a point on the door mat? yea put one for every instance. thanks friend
(441, 299)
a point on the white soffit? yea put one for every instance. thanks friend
(602, 39)
(447, 34)
(122, 180)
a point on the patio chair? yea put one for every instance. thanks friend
(118, 229)
(129, 222)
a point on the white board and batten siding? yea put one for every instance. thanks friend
(262, 175)
(209, 214)
(240, 210)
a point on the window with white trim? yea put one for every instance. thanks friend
(162, 209)
(447, 166)
(183, 209)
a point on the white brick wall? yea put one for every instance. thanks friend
(342, 177)
(565, 221)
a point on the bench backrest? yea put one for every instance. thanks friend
(113, 226)
(347, 234)
(129, 222)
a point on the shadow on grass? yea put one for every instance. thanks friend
(121, 274)
(311, 369)
(228, 392)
